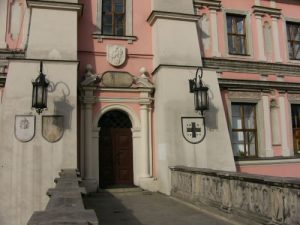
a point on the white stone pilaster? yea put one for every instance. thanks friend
(276, 43)
(257, 2)
(214, 32)
(88, 141)
(3, 16)
(150, 142)
(260, 38)
(144, 141)
(286, 151)
(267, 125)
(274, 111)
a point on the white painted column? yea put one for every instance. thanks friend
(214, 32)
(286, 151)
(150, 142)
(257, 2)
(3, 16)
(267, 126)
(88, 141)
(274, 111)
(276, 43)
(260, 38)
(144, 141)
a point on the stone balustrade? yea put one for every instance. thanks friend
(265, 199)
(65, 205)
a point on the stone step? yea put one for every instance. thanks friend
(121, 189)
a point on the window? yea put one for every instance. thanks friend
(113, 17)
(244, 132)
(293, 35)
(296, 127)
(236, 34)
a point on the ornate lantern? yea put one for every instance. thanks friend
(197, 87)
(39, 91)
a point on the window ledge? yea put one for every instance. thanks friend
(266, 160)
(100, 37)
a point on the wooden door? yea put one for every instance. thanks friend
(116, 163)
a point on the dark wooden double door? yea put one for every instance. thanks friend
(115, 157)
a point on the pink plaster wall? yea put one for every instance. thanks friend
(281, 170)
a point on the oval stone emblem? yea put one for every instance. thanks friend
(117, 79)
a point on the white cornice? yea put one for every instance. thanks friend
(212, 4)
(261, 10)
(171, 16)
(55, 5)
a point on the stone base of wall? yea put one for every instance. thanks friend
(264, 199)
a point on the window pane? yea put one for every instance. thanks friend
(236, 117)
(107, 29)
(119, 6)
(240, 25)
(238, 143)
(249, 116)
(119, 29)
(229, 24)
(251, 141)
(106, 6)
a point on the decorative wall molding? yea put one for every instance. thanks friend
(212, 4)
(258, 85)
(171, 16)
(5, 53)
(56, 5)
(251, 66)
(261, 10)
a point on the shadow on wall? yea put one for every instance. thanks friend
(62, 106)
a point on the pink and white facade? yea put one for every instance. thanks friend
(120, 69)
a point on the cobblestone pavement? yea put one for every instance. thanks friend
(138, 207)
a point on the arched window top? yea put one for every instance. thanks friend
(115, 119)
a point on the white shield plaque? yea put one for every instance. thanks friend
(116, 54)
(193, 129)
(24, 127)
(53, 127)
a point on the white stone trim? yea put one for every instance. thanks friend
(267, 162)
(267, 126)
(138, 167)
(129, 20)
(3, 17)
(56, 5)
(260, 38)
(214, 32)
(249, 38)
(276, 43)
(171, 16)
(286, 151)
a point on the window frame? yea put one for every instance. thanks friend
(291, 42)
(113, 15)
(292, 118)
(128, 36)
(236, 34)
(246, 130)
(248, 30)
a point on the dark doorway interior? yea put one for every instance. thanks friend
(115, 150)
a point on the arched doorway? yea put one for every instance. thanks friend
(115, 149)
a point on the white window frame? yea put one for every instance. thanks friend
(129, 23)
(287, 54)
(249, 44)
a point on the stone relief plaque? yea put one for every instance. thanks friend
(117, 79)
(116, 54)
(193, 129)
(24, 127)
(53, 127)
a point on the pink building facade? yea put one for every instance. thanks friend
(126, 65)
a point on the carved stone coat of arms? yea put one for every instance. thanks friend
(116, 54)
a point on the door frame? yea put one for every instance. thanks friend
(136, 142)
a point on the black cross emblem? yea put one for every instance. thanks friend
(193, 129)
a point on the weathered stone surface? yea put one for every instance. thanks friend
(265, 199)
(117, 79)
(65, 206)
